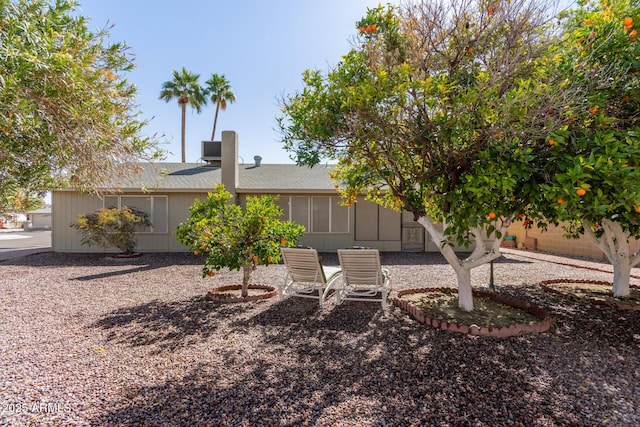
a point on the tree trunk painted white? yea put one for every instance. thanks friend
(480, 256)
(614, 243)
(465, 291)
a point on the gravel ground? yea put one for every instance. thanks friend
(92, 340)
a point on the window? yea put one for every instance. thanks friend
(318, 214)
(156, 206)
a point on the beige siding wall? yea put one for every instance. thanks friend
(379, 228)
(376, 227)
(67, 205)
(369, 225)
(553, 241)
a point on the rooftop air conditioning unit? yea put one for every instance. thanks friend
(212, 152)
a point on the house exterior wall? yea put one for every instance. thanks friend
(69, 204)
(553, 241)
(384, 225)
(41, 221)
(369, 225)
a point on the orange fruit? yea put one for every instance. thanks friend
(269, 259)
(491, 10)
(628, 21)
(373, 28)
(283, 241)
(196, 253)
(255, 258)
(264, 218)
(581, 192)
(552, 142)
(560, 201)
(211, 273)
(633, 33)
(492, 215)
(203, 246)
(638, 208)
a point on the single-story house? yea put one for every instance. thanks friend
(306, 195)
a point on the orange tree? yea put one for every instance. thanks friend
(594, 178)
(439, 109)
(230, 237)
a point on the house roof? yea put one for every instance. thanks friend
(252, 179)
(45, 210)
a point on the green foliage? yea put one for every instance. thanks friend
(598, 146)
(185, 88)
(219, 92)
(111, 228)
(230, 237)
(67, 115)
(441, 109)
(15, 200)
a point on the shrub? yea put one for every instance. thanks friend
(111, 228)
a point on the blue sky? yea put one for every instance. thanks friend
(261, 46)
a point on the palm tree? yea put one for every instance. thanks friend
(185, 87)
(219, 91)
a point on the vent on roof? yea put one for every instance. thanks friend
(258, 159)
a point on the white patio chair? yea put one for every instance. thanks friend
(306, 277)
(363, 279)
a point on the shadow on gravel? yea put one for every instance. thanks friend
(164, 259)
(154, 260)
(115, 273)
(391, 371)
(168, 325)
(350, 316)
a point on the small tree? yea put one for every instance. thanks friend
(594, 173)
(111, 228)
(231, 238)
